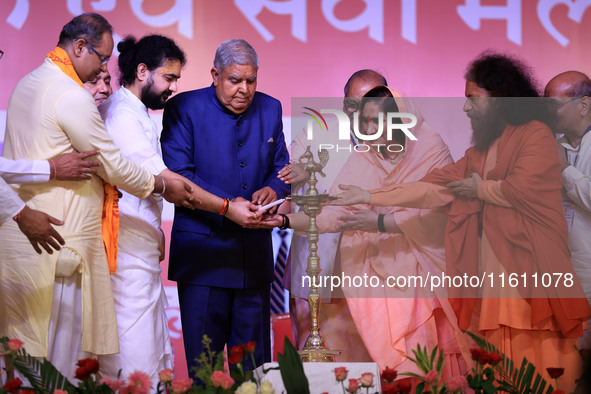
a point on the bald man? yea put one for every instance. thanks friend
(570, 94)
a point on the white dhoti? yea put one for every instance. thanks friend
(65, 326)
(140, 303)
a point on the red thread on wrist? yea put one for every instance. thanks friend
(225, 206)
(18, 215)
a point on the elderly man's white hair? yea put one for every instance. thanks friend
(235, 51)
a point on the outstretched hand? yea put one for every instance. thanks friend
(267, 222)
(180, 193)
(362, 220)
(352, 195)
(264, 196)
(294, 174)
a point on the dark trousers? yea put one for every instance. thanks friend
(226, 316)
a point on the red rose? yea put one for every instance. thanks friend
(485, 358)
(476, 354)
(353, 385)
(236, 354)
(25, 391)
(404, 386)
(389, 374)
(82, 373)
(91, 365)
(250, 346)
(13, 385)
(340, 373)
(86, 366)
(558, 392)
(390, 388)
(495, 358)
(555, 373)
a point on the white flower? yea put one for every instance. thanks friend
(267, 388)
(247, 388)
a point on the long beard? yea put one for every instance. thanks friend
(486, 129)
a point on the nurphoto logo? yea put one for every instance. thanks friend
(393, 122)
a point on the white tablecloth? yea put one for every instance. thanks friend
(321, 377)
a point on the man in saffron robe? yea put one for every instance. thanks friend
(504, 212)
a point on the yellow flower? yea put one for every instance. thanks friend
(267, 388)
(247, 388)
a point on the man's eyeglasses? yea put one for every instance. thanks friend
(556, 105)
(351, 105)
(104, 60)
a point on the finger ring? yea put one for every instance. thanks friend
(255, 215)
(191, 198)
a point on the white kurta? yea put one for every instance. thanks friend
(140, 300)
(24, 171)
(577, 186)
(18, 171)
(11, 203)
(49, 114)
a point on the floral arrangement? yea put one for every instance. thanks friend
(365, 381)
(214, 377)
(43, 377)
(493, 372)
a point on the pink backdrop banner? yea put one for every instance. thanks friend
(309, 48)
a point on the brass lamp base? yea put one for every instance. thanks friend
(318, 355)
(312, 202)
(316, 350)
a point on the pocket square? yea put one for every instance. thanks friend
(271, 140)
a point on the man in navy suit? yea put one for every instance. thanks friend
(228, 139)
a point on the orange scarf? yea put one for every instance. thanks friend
(110, 220)
(110, 224)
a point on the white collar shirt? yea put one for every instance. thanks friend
(136, 135)
(577, 195)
